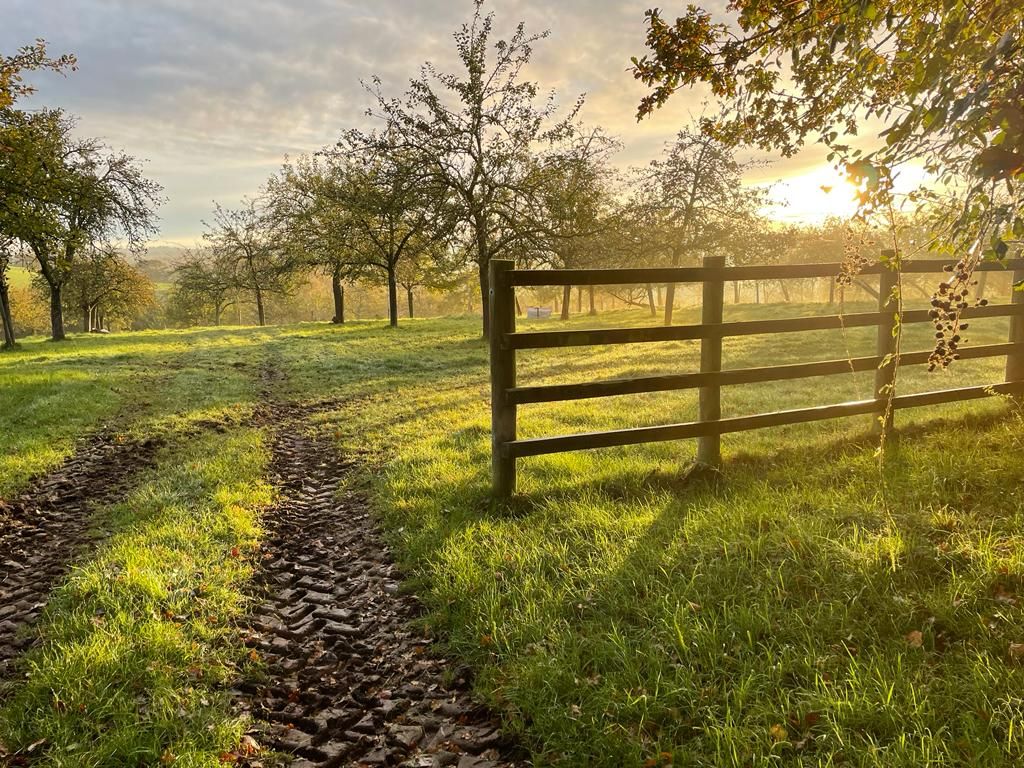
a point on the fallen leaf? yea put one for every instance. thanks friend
(1017, 651)
(778, 732)
(1005, 598)
(915, 639)
(248, 746)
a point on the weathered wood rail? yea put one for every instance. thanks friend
(505, 341)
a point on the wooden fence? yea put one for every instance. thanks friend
(713, 274)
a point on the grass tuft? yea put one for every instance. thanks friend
(139, 642)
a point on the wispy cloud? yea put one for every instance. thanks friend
(215, 94)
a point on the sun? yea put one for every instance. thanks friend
(811, 197)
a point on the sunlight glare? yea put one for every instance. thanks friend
(811, 197)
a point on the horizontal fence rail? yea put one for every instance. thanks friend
(539, 446)
(552, 393)
(545, 277)
(713, 274)
(642, 335)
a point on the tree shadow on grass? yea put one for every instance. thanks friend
(770, 600)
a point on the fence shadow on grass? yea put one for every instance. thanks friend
(779, 592)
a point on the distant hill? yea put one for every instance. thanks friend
(158, 262)
(157, 270)
(173, 254)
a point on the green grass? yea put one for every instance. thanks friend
(52, 394)
(618, 614)
(622, 615)
(139, 642)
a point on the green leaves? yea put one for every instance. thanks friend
(28, 58)
(943, 81)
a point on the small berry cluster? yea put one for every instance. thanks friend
(852, 265)
(948, 304)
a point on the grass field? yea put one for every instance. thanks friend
(142, 382)
(140, 642)
(807, 608)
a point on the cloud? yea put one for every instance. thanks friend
(215, 94)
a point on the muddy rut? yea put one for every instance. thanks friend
(47, 526)
(350, 680)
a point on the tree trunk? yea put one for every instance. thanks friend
(867, 289)
(217, 310)
(785, 290)
(593, 307)
(670, 289)
(483, 259)
(579, 300)
(566, 301)
(260, 311)
(408, 296)
(735, 291)
(56, 313)
(650, 300)
(670, 300)
(86, 318)
(979, 291)
(831, 290)
(339, 298)
(5, 311)
(519, 309)
(392, 297)
(757, 291)
(485, 300)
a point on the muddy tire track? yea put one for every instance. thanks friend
(45, 528)
(350, 680)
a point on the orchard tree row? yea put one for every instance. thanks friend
(468, 166)
(68, 205)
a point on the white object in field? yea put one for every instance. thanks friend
(538, 312)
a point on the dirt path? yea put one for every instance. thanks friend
(351, 682)
(43, 529)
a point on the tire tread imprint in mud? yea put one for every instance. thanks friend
(350, 680)
(44, 528)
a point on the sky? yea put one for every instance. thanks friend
(214, 93)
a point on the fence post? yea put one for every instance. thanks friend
(1015, 360)
(503, 377)
(885, 373)
(709, 448)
